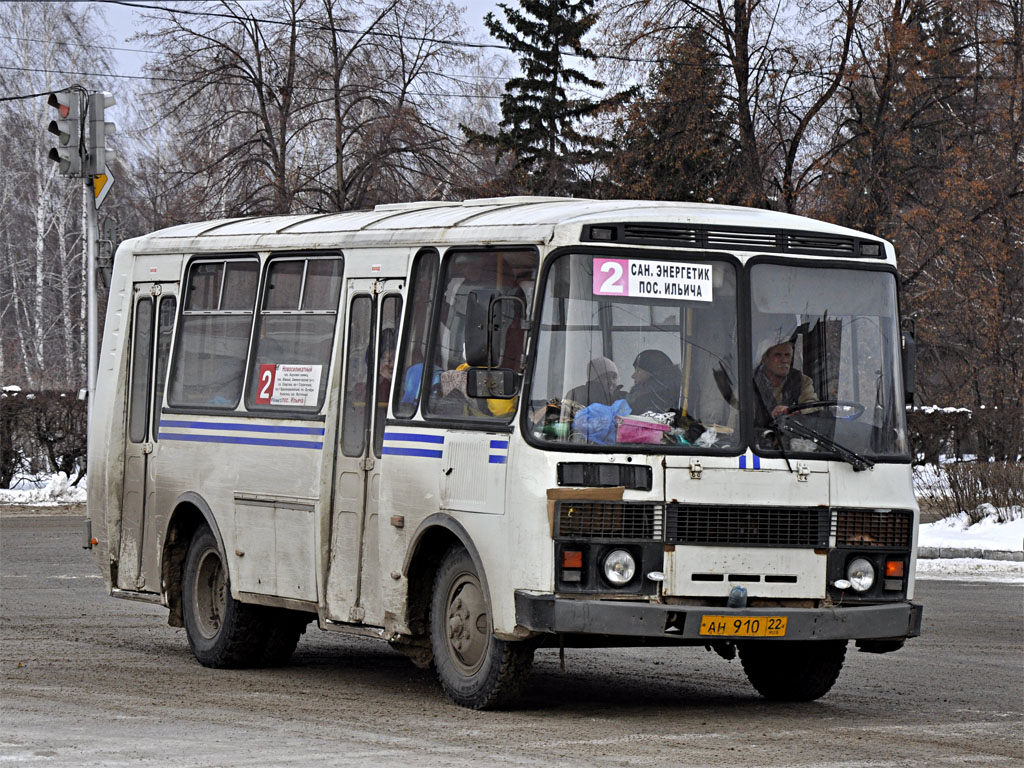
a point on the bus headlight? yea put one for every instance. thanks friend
(619, 567)
(861, 574)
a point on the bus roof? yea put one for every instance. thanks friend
(518, 220)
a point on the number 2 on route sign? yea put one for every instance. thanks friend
(649, 279)
(265, 388)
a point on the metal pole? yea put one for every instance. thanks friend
(92, 327)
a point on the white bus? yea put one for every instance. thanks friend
(472, 429)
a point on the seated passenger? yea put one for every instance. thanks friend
(657, 381)
(602, 384)
(778, 385)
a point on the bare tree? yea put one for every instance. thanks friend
(41, 281)
(785, 61)
(302, 104)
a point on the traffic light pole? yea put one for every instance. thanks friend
(87, 160)
(92, 255)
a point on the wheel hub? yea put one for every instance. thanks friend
(210, 598)
(468, 627)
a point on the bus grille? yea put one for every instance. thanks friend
(608, 520)
(873, 527)
(747, 526)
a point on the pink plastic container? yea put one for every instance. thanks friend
(637, 429)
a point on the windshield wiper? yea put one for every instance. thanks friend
(797, 429)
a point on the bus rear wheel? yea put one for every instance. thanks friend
(476, 669)
(221, 631)
(793, 671)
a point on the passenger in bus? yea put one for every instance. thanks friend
(656, 383)
(385, 371)
(778, 384)
(602, 384)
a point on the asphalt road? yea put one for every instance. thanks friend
(88, 680)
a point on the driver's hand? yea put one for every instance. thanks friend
(779, 410)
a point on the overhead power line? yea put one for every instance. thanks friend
(111, 75)
(23, 96)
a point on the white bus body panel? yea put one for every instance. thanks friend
(272, 502)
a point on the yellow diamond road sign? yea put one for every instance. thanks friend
(101, 185)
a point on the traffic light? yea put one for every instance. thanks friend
(68, 130)
(99, 156)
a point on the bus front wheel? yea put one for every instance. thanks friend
(476, 669)
(793, 671)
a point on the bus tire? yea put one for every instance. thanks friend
(284, 628)
(221, 631)
(476, 669)
(793, 671)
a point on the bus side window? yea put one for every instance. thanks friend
(510, 273)
(390, 312)
(414, 343)
(142, 358)
(208, 366)
(164, 328)
(295, 332)
(358, 384)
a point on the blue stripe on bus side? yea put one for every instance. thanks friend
(233, 440)
(231, 427)
(426, 453)
(414, 437)
(497, 459)
(502, 444)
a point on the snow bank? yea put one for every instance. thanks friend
(56, 489)
(989, 533)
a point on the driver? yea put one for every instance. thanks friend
(779, 385)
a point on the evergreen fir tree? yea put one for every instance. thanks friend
(540, 124)
(674, 139)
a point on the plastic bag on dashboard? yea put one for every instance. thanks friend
(597, 422)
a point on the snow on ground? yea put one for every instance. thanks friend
(970, 569)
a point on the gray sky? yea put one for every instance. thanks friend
(124, 22)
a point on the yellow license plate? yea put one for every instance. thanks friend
(743, 626)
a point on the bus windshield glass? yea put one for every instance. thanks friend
(644, 351)
(629, 351)
(826, 362)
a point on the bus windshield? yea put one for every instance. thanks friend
(644, 351)
(629, 351)
(826, 362)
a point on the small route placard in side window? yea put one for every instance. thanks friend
(294, 385)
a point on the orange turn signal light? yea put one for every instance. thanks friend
(894, 569)
(572, 558)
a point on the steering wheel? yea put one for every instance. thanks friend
(847, 410)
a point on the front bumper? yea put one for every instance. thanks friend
(550, 614)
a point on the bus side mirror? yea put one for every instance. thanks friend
(909, 364)
(493, 383)
(478, 327)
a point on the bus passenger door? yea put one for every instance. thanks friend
(153, 312)
(353, 580)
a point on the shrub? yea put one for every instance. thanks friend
(974, 488)
(42, 433)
